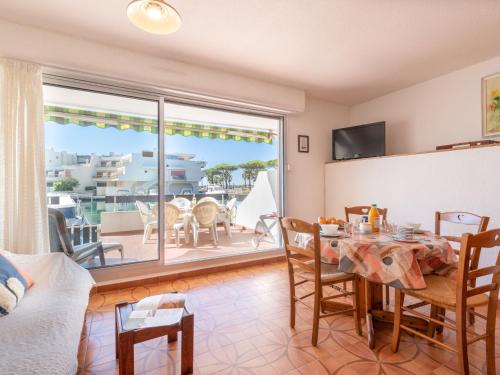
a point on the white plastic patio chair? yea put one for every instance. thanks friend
(208, 199)
(263, 229)
(231, 209)
(172, 213)
(204, 216)
(183, 203)
(148, 220)
(224, 218)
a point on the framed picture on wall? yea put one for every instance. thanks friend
(303, 143)
(491, 105)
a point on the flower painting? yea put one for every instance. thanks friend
(491, 106)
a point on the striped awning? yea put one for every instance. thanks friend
(66, 115)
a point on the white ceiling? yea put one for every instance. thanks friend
(347, 51)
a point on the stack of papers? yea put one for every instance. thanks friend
(162, 301)
(156, 311)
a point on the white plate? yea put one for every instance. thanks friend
(405, 241)
(337, 235)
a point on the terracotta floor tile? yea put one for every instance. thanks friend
(242, 328)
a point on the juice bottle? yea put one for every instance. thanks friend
(373, 216)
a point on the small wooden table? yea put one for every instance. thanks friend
(125, 339)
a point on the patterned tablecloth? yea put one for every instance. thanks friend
(381, 259)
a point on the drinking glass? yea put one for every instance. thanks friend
(349, 229)
(385, 226)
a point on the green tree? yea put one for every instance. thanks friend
(272, 163)
(225, 171)
(247, 177)
(221, 174)
(251, 169)
(66, 184)
(211, 174)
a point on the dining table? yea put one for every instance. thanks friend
(382, 259)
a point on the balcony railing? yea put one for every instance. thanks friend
(81, 234)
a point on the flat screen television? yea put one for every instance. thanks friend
(362, 141)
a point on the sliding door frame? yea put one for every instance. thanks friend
(157, 267)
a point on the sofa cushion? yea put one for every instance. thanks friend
(12, 286)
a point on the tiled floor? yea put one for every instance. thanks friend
(241, 327)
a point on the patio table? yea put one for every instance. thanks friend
(379, 259)
(186, 217)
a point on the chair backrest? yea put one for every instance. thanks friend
(464, 218)
(208, 199)
(231, 204)
(466, 277)
(363, 210)
(172, 213)
(181, 202)
(299, 256)
(59, 238)
(144, 211)
(231, 209)
(205, 213)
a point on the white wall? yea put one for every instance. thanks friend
(441, 111)
(305, 179)
(61, 51)
(413, 187)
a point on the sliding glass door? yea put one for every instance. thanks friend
(222, 171)
(101, 157)
(203, 183)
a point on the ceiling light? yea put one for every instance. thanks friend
(154, 16)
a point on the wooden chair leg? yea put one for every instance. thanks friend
(490, 340)
(321, 304)
(432, 326)
(387, 295)
(396, 333)
(357, 306)
(442, 314)
(316, 313)
(472, 317)
(292, 298)
(462, 356)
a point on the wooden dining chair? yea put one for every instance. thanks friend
(459, 296)
(464, 218)
(305, 265)
(363, 210)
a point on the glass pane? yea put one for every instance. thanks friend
(102, 175)
(230, 159)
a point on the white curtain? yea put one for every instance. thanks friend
(23, 206)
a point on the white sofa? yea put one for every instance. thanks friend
(42, 335)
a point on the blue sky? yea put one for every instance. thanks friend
(87, 140)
